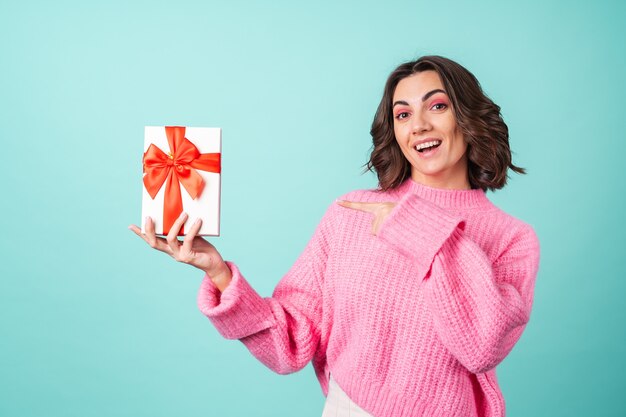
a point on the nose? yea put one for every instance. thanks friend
(420, 123)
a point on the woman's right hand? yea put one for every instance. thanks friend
(193, 250)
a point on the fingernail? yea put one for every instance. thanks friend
(198, 221)
(182, 215)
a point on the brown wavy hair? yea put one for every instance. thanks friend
(479, 118)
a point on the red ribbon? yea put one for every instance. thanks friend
(174, 169)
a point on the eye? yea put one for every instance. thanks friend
(402, 115)
(439, 106)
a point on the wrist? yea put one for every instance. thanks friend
(220, 276)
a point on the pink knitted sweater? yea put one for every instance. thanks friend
(411, 322)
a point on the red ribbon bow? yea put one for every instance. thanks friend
(174, 169)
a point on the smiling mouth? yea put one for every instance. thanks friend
(427, 146)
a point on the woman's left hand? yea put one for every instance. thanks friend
(379, 210)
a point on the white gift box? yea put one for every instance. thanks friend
(207, 204)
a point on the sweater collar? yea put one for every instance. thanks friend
(445, 198)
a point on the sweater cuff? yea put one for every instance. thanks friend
(237, 312)
(418, 229)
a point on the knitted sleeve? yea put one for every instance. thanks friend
(480, 308)
(281, 331)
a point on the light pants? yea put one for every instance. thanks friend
(338, 404)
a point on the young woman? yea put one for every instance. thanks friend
(407, 297)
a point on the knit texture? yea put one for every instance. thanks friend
(411, 322)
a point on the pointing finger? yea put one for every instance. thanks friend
(156, 242)
(150, 235)
(358, 205)
(136, 230)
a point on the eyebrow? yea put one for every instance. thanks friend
(426, 97)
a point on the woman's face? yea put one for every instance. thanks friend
(427, 132)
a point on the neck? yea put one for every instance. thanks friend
(454, 177)
(442, 182)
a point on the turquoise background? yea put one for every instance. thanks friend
(95, 323)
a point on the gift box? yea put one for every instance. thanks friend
(181, 172)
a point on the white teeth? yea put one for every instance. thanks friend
(427, 144)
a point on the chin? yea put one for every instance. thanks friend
(429, 171)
